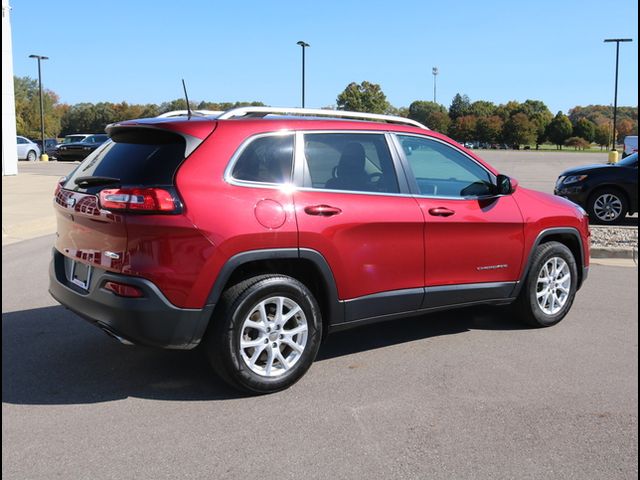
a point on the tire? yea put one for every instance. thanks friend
(537, 308)
(607, 206)
(252, 348)
(31, 156)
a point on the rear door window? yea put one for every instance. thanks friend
(135, 157)
(359, 162)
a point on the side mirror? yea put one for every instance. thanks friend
(505, 185)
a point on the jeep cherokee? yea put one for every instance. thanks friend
(256, 232)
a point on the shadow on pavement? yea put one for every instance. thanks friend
(51, 357)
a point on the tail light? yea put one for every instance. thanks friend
(61, 181)
(143, 200)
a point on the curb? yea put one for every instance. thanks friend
(614, 252)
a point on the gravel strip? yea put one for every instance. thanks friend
(622, 237)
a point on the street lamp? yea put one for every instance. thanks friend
(434, 70)
(615, 96)
(303, 45)
(41, 57)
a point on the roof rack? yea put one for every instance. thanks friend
(194, 113)
(259, 112)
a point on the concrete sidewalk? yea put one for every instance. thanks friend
(27, 207)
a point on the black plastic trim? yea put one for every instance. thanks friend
(336, 308)
(151, 320)
(384, 303)
(582, 270)
(443, 296)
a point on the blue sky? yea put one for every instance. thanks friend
(138, 50)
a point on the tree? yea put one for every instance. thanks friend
(577, 143)
(364, 97)
(431, 114)
(460, 106)
(519, 130)
(27, 100)
(585, 129)
(603, 135)
(482, 109)
(559, 129)
(540, 115)
(489, 129)
(626, 127)
(463, 129)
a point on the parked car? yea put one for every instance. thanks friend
(256, 235)
(51, 145)
(80, 150)
(607, 192)
(75, 138)
(27, 150)
(630, 145)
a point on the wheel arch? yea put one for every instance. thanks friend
(305, 265)
(569, 237)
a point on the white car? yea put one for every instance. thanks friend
(27, 150)
(630, 145)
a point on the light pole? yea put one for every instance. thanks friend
(615, 95)
(43, 154)
(303, 45)
(434, 70)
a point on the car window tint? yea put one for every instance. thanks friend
(349, 161)
(136, 157)
(443, 171)
(267, 159)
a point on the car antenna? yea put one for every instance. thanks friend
(187, 98)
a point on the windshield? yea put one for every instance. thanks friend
(630, 161)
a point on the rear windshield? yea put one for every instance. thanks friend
(135, 157)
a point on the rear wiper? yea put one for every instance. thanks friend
(92, 181)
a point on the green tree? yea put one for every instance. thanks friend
(482, 108)
(559, 129)
(364, 97)
(489, 129)
(430, 114)
(463, 129)
(460, 106)
(519, 130)
(603, 135)
(540, 115)
(585, 128)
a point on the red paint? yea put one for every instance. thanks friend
(372, 243)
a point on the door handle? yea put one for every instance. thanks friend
(322, 210)
(441, 212)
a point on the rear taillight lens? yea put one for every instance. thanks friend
(144, 200)
(61, 182)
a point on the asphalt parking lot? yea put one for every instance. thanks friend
(464, 394)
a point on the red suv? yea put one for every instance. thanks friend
(255, 235)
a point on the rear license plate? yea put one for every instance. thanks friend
(80, 274)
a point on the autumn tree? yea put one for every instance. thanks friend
(27, 101)
(463, 129)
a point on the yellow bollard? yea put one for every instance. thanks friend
(44, 157)
(613, 156)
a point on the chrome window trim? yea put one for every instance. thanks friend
(228, 172)
(398, 145)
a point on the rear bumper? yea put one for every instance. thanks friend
(150, 320)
